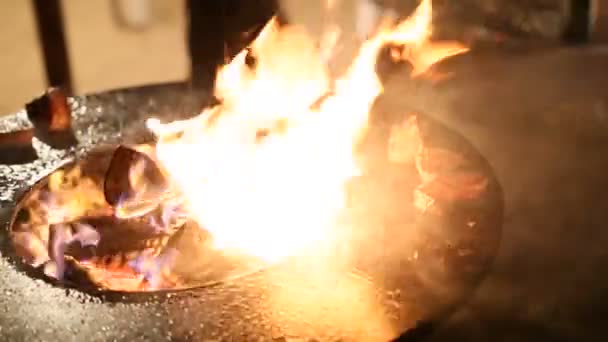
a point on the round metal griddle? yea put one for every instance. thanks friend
(391, 294)
(547, 275)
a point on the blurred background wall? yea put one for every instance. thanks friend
(113, 44)
(104, 52)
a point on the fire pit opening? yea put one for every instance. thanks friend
(65, 227)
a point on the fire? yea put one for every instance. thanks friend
(265, 171)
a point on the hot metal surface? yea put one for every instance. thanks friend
(538, 117)
(270, 304)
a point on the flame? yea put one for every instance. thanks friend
(265, 172)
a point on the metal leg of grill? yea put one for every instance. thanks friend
(51, 34)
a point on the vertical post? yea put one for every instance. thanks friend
(206, 34)
(49, 21)
(578, 30)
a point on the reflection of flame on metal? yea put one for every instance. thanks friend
(346, 301)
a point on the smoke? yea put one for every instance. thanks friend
(346, 24)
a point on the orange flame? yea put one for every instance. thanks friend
(265, 173)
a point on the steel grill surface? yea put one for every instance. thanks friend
(499, 118)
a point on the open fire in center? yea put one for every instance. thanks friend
(265, 171)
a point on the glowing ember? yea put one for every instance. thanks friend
(264, 172)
